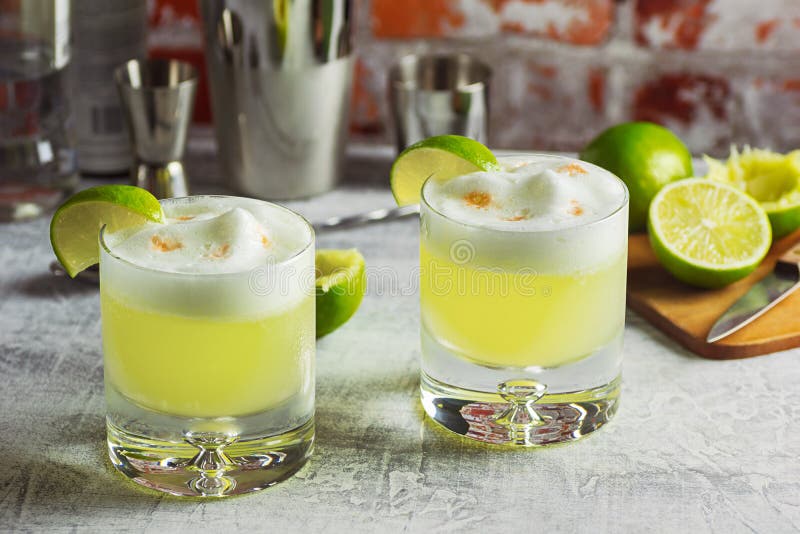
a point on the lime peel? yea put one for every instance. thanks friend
(442, 157)
(340, 286)
(76, 223)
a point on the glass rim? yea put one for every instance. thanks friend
(476, 226)
(305, 248)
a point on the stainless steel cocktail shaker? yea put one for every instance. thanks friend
(280, 76)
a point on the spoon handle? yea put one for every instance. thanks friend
(369, 217)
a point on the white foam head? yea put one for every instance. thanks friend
(214, 235)
(552, 213)
(213, 257)
(534, 195)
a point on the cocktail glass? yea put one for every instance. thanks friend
(209, 378)
(522, 330)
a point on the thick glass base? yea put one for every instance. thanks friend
(210, 464)
(519, 414)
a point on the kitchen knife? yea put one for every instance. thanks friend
(763, 296)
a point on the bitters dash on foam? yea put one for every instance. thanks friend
(541, 213)
(539, 195)
(219, 235)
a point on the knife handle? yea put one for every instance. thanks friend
(792, 255)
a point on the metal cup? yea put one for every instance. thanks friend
(280, 75)
(158, 100)
(437, 95)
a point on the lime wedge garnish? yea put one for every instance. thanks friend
(75, 225)
(706, 233)
(341, 282)
(443, 156)
(772, 179)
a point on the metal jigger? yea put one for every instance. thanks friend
(158, 98)
(439, 94)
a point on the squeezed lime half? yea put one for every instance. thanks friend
(771, 178)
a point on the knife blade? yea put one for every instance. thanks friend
(762, 297)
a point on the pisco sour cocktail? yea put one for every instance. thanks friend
(208, 342)
(523, 275)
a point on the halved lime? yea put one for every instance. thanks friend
(646, 157)
(706, 233)
(341, 283)
(772, 179)
(74, 227)
(443, 156)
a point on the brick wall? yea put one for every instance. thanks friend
(175, 32)
(715, 71)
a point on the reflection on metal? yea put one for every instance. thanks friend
(438, 95)
(158, 98)
(280, 76)
(761, 298)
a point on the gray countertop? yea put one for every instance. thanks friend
(697, 445)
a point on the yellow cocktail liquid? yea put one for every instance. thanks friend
(502, 318)
(207, 367)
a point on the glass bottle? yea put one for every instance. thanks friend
(37, 150)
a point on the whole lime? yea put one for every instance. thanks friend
(646, 157)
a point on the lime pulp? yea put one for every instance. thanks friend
(706, 233)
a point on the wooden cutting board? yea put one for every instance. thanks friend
(686, 314)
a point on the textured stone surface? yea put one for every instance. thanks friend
(697, 446)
